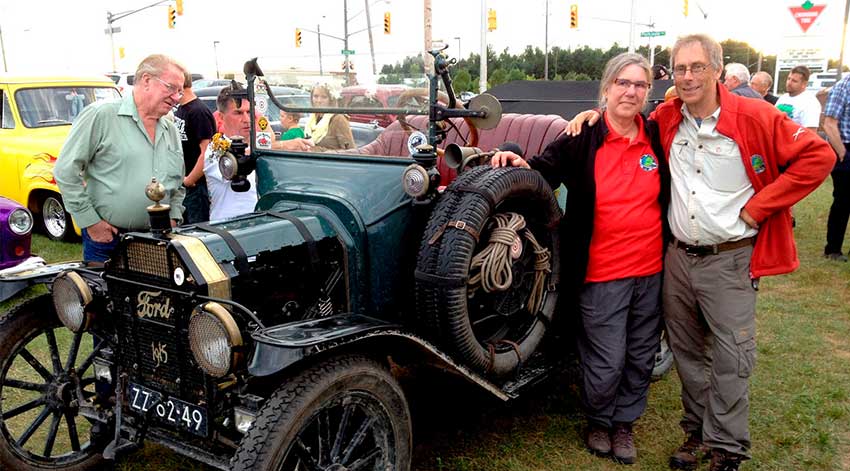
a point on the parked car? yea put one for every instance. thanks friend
(15, 235)
(204, 83)
(123, 80)
(377, 96)
(37, 113)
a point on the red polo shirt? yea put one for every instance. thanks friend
(626, 238)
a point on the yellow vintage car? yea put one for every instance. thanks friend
(35, 118)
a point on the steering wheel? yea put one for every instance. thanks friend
(418, 98)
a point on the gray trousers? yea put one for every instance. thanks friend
(621, 329)
(709, 308)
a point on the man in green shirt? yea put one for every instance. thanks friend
(113, 151)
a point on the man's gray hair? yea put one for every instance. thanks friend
(739, 71)
(615, 66)
(764, 77)
(711, 47)
(155, 64)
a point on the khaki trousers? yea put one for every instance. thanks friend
(709, 308)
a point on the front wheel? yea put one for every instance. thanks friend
(347, 413)
(43, 370)
(55, 220)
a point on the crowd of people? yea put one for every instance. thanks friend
(673, 218)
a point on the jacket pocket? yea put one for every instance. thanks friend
(745, 342)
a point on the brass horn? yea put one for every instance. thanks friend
(456, 155)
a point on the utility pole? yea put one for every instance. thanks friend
(3, 51)
(840, 55)
(482, 75)
(319, 37)
(459, 55)
(546, 45)
(215, 53)
(632, 29)
(371, 44)
(345, 53)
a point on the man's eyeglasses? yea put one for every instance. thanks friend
(172, 90)
(640, 86)
(696, 69)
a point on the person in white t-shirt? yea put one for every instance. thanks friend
(232, 118)
(800, 105)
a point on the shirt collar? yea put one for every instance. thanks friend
(128, 108)
(690, 118)
(613, 135)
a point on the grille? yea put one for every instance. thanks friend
(154, 345)
(148, 258)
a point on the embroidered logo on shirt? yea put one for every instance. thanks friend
(798, 132)
(648, 163)
(757, 162)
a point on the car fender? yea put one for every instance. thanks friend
(280, 347)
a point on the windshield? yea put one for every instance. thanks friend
(377, 117)
(58, 106)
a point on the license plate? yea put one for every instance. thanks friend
(172, 411)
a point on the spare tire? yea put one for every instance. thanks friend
(490, 332)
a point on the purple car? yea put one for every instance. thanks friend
(15, 228)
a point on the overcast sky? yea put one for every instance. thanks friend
(61, 36)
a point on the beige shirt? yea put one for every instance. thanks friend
(709, 184)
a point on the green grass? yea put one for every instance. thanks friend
(800, 391)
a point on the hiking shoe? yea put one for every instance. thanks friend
(722, 460)
(837, 256)
(690, 453)
(623, 443)
(598, 440)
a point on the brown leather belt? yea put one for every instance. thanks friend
(703, 250)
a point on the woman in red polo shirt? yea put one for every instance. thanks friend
(611, 243)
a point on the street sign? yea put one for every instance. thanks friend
(652, 34)
(347, 52)
(114, 29)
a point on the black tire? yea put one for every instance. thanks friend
(55, 220)
(663, 358)
(46, 392)
(490, 340)
(313, 415)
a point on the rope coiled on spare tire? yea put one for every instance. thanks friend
(493, 263)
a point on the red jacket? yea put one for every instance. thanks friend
(768, 141)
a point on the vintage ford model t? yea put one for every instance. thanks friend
(271, 340)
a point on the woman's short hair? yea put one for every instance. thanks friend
(615, 66)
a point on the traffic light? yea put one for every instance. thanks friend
(387, 23)
(180, 7)
(121, 52)
(574, 16)
(685, 8)
(172, 17)
(491, 20)
(297, 37)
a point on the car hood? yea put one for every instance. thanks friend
(47, 140)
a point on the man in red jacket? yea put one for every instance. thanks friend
(730, 219)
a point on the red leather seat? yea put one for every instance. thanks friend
(531, 132)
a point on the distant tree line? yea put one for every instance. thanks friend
(582, 63)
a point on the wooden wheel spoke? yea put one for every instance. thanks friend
(357, 439)
(323, 426)
(72, 352)
(54, 351)
(305, 457)
(23, 408)
(51, 434)
(72, 431)
(18, 384)
(33, 427)
(36, 365)
(340, 433)
(365, 460)
(89, 359)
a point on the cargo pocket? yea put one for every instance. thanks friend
(745, 342)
